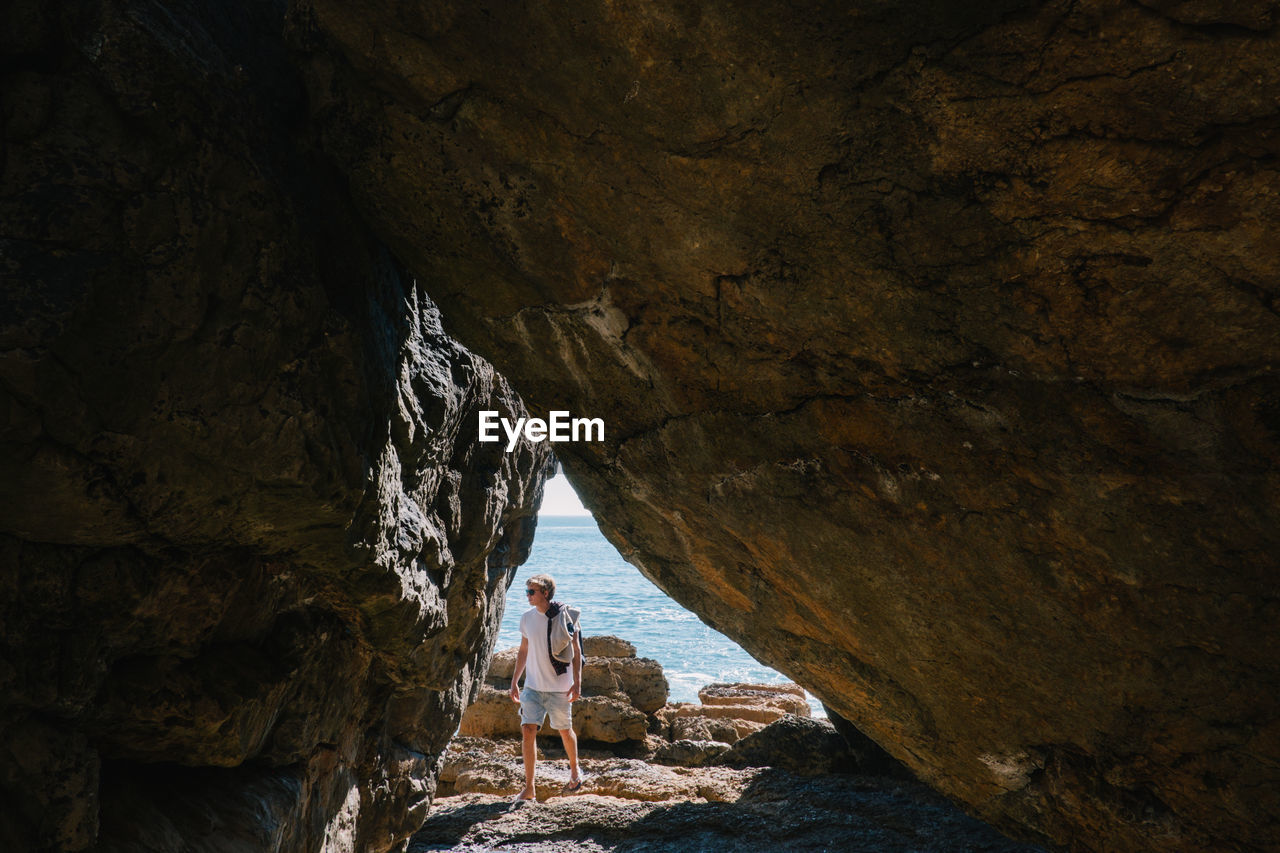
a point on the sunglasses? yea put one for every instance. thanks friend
(528, 591)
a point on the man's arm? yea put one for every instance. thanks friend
(521, 657)
(575, 692)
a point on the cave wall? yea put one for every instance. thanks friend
(937, 346)
(252, 559)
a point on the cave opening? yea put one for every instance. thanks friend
(618, 600)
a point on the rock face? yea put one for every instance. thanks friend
(937, 346)
(251, 556)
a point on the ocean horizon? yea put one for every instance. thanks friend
(617, 600)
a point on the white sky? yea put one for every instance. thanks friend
(559, 498)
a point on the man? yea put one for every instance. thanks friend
(551, 684)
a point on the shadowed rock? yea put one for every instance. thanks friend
(251, 555)
(715, 809)
(797, 744)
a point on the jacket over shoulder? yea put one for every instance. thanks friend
(564, 629)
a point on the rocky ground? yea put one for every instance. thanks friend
(744, 769)
(634, 805)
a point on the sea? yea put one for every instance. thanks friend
(616, 599)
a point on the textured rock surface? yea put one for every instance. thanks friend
(251, 557)
(937, 344)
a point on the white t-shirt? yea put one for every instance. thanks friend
(539, 674)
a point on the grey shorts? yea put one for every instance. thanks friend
(537, 705)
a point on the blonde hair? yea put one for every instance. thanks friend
(547, 583)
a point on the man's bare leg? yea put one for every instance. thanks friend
(570, 739)
(529, 746)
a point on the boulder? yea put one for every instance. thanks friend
(788, 698)
(704, 728)
(639, 780)
(687, 721)
(501, 667)
(800, 745)
(491, 715)
(938, 347)
(608, 647)
(479, 765)
(691, 728)
(690, 753)
(608, 720)
(640, 680)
